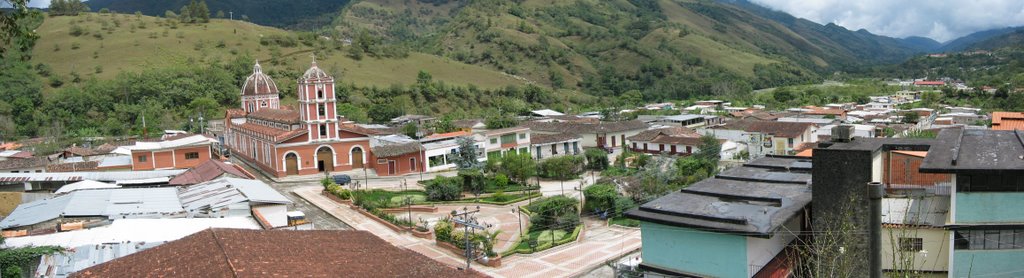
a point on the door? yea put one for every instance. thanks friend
(391, 167)
(412, 164)
(613, 141)
(600, 141)
(325, 160)
(291, 164)
(357, 157)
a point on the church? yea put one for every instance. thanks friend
(309, 139)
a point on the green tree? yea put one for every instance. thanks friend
(353, 112)
(710, 149)
(519, 167)
(411, 130)
(500, 121)
(597, 159)
(15, 30)
(911, 117)
(466, 158)
(423, 78)
(202, 12)
(220, 14)
(444, 125)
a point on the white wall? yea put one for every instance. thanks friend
(935, 242)
(760, 251)
(276, 214)
(727, 134)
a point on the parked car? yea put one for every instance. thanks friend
(342, 179)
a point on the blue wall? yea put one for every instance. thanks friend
(988, 263)
(989, 207)
(694, 251)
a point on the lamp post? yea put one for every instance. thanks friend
(520, 217)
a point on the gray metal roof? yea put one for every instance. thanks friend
(755, 199)
(227, 191)
(927, 211)
(970, 150)
(96, 176)
(111, 203)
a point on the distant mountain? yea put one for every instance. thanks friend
(292, 14)
(921, 43)
(967, 41)
(1012, 39)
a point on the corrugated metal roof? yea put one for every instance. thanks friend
(929, 211)
(96, 176)
(112, 203)
(227, 191)
(86, 184)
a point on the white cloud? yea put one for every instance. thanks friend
(941, 20)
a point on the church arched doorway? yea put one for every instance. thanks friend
(357, 157)
(291, 164)
(325, 159)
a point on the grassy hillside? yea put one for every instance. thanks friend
(103, 45)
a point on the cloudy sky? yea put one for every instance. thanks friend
(941, 20)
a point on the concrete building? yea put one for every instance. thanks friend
(779, 138)
(554, 145)
(498, 142)
(914, 236)
(178, 153)
(737, 224)
(600, 135)
(679, 141)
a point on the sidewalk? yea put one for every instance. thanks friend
(599, 244)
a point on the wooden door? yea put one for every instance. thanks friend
(291, 164)
(325, 160)
(357, 157)
(391, 167)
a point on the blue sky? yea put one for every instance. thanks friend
(941, 20)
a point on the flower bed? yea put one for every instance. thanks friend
(491, 262)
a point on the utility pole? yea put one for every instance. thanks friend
(467, 222)
(232, 13)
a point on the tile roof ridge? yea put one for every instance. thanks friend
(223, 253)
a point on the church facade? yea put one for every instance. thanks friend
(309, 139)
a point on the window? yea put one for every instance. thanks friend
(323, 130)
(554, 150)
(320, 94)
(790, 142)
(321, 109)
(192, 155)
(494, 140)
(522, 136)
(913, 244)
(988, 239)
(263, 103)
(142, 158)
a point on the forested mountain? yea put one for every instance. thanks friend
(1011, 39)
(967, 41)
(293, 14)
(666, 49)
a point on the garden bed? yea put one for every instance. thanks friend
(544, 242)
(624, 222)
(491, 262)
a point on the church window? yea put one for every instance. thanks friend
(323, 130)
(321, 110)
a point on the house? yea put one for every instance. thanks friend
(678, 141)
(440, 152)
(779, 138)
(397, 158)
(737, 224)
(470, 125)
(208, 171)
(248, 253)
(309, 140)
(986, 199)
(600, 135)
(929, 83)
(1007, 120)
(902, 170)
(498, 142)
(865, 131)
(418, 120)
(914, 234)
(25, 165)
(688, 120)
(177, 153)
(553, 145)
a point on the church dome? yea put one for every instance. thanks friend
(314, 73)
(258, 83)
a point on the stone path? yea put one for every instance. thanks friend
(600, 243)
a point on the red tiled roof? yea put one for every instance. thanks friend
(833, 111)
(277, 134)
(929, 83)
(280, 253)
(32, 162)
(276, 115)
(1007, 120)
(361, 130)
(209, 170)
(235, 113)
(446, 135)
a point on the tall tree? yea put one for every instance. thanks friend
(202, 12)
(13, 29)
